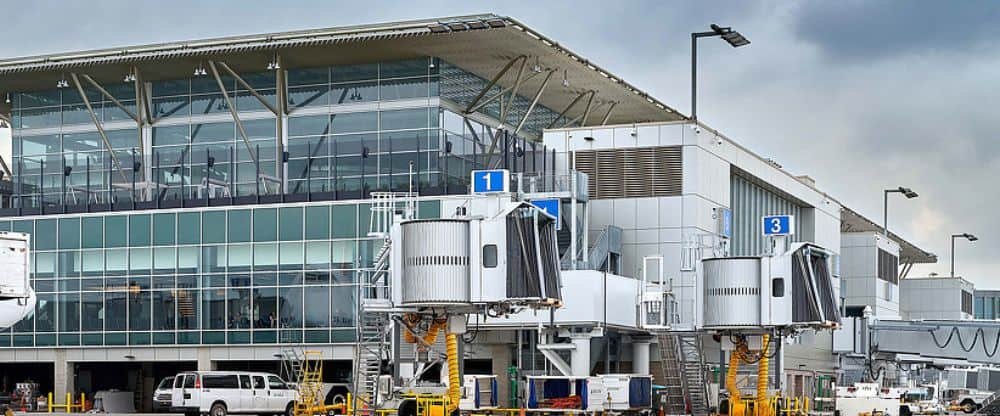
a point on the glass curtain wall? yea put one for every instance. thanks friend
(342, 140)
(264, 275)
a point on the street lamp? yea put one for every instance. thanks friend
(907, 192)
(966, 236)
(734, 38)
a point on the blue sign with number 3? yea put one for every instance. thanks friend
(779, 225)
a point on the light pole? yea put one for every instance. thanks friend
(907, 192)
(966, 236)
(734, 38)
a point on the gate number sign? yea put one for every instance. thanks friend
(490, 181)
(779, 225)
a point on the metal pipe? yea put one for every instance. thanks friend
(100, 128)
(250, 89)
(534, 101)
(694, 76)
(110, 97)
(493, 82)
(498, 95)
(236, 118)
(604, 122)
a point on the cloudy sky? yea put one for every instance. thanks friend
(861, 96)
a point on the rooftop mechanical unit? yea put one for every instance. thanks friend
(791, 289)
(505, 260)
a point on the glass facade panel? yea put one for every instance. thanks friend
(198, 270)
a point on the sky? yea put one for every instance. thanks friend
(860, 95)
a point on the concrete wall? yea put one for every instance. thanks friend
(663, 226)
(934, 298)
(859, 273)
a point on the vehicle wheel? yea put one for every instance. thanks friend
(290, 410)
(969, 406)
(217, 409)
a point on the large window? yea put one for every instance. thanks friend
(340, 143)
(888, 267)
(198, 276)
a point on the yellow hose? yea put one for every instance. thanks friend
(454, 385)
(761, 407)
(736, 407)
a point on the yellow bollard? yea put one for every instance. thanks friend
(49, 403)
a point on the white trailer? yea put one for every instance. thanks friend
(17, 298)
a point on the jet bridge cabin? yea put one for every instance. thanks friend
(791, 289)
(501, 260)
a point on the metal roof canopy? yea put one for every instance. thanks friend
(851, 221)
(481, 44)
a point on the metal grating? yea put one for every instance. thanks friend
(632, 172)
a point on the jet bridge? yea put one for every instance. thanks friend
(969, 341)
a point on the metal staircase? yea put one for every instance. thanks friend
(305, 369)
(372, 342)
(991, 406)
(681, 371)
(667, 373)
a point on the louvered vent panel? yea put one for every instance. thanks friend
(586, 162)
(669, 167)
(609, 174)
(632, 172)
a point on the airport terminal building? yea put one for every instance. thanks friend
(205, 204)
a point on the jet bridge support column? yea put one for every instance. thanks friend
(640, 354)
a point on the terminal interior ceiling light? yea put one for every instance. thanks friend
(7, 98)
(565, 82)
(130, 77)
(199, 71)
(62, 83)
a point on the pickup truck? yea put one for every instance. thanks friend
(966, 400)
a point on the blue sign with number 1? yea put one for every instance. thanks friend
(488, 181)
(779, 225)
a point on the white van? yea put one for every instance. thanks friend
(218, 393)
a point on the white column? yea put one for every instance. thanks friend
(62, 377)
(580, 355)
(205, 360)
(640, 356)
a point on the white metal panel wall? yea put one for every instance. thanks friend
(751, 202)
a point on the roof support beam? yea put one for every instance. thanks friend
(494, 81)
(570, 107)
(905, 270)
(110, 97)
(281, 91)
(499, 95)
(236, 118)
(534, 101)
(143, 97)
(247, 86)
(141, 111)
(99, 126)
(475, 136)
(607, 116)
(505, 107)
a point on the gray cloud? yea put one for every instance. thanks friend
(865, 30)
(859, 95)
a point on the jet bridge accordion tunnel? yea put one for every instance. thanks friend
(793, 289)
(470, 263)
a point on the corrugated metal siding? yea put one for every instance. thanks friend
(751, 202)
(632, 172)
